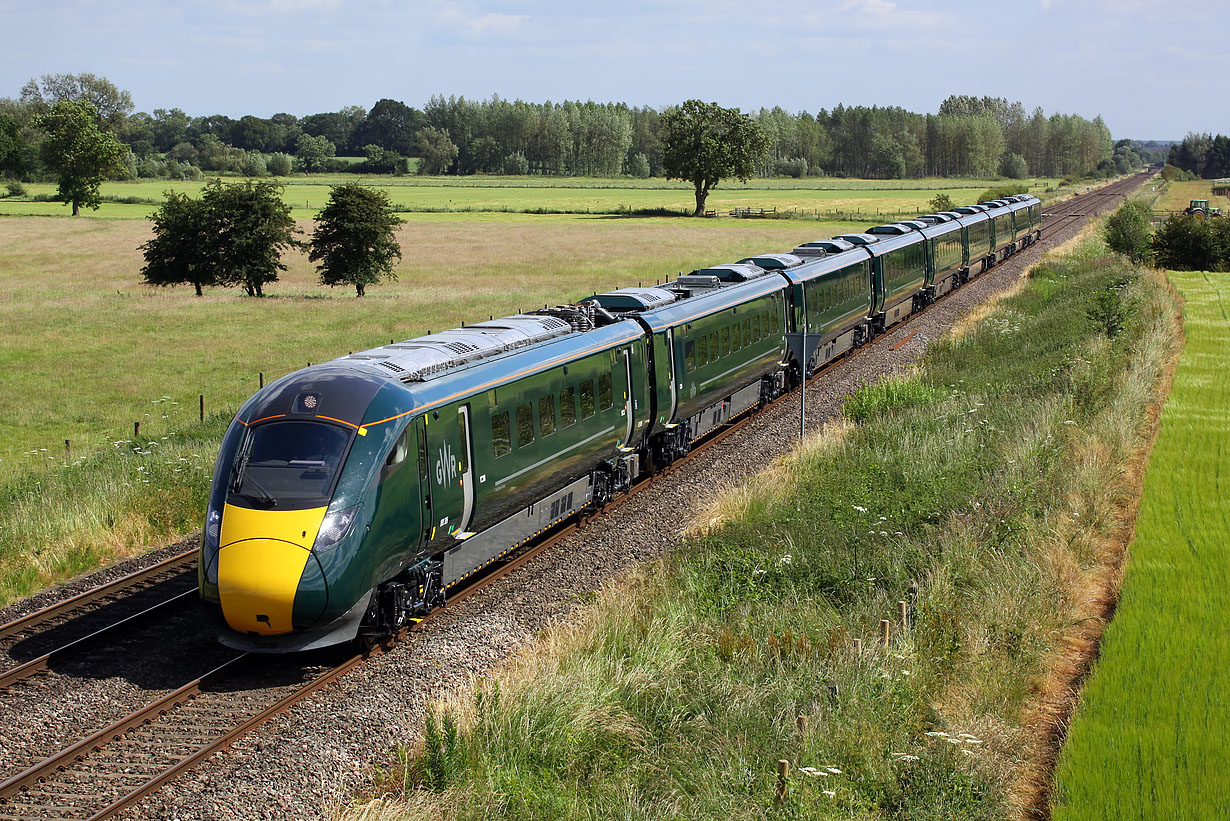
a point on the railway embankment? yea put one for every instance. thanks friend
(889, 611)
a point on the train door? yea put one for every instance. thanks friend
(465, 430)
(448, 463)
(628, 412)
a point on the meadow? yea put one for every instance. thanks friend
(1178, 195)
(812, 196)
(989, 475)
(1149, 740)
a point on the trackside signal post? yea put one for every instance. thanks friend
(802, 346)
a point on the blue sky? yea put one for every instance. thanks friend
(1139, 63)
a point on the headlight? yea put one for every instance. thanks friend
(213, 529)
(335, 527)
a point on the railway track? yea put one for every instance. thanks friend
(114, 767)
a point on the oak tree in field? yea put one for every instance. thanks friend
(80, 153)
(354, 240)
(112, 105)
(250, 226)
(704, 143)
(179, 252)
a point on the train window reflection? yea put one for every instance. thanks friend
(289, 463)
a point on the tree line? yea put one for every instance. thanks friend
(967, 137)
(1202, 155)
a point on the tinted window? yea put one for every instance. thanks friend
(605, 397)
(567, 407)
(525, 424)
(756, 337)
(587, 398)
(702, 351)
(546, 415)
(747, 332)
(290, 463)
(689, 356)
(501, 437)
(725, 341)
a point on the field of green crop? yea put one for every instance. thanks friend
(809, 196)
(1150, 739)
(986, 475)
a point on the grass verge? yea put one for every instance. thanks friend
(990, 477)
(1149, 740)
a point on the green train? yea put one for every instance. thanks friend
(351, 496)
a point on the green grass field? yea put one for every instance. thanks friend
(985, 475)
(1179, 195)
(817, 196)
(1150, 739)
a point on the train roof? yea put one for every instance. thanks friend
(732, 272)
(827, 264)
(823, 246)
(935, 219)
(696, 295)
(773, 262)
(896, 228)
(858, 239)
(889, 243)
(940, 229)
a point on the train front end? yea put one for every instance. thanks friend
(288, 557)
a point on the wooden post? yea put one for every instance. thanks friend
(783, 770)
(262, 377)
(903, 614)
(68, 449)
(885, 626)
(802, 723)
(834, 692)
(136, 431)
(202, 407)
(858, 646)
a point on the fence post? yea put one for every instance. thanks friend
(262, 378)
(783, 769)
(903, 614)
(202, 407)
(68, 450)
(136, 432)
(885, 625)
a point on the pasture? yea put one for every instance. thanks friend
(1178, 195)
(1150, 738)
(813, 196)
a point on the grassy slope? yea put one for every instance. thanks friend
(988, 477)
(1150, 739)
(1179, 195)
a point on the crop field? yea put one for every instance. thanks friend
(1179, 195)
(808, 196)
(1150, 739)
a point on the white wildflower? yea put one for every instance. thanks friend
(860, 509)
(830, 793)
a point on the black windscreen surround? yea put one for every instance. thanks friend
(290, 464)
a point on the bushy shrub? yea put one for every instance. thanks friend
(1128, 232)
(1175, 174)
(516, 163)
(1014, 167)
(15, 188)
(941, 202)
(1185, 243)
(278, 164)
(1001, 191)
(794, 167)
(638, 166)
(252, 164)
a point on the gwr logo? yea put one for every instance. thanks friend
(446, 465)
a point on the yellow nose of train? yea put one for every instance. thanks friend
(260, 562)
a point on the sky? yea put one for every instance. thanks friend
(1151, 68)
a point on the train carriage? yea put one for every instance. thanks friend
(898, 275)
(714, 342)
(947, 255)
(836, 290)
(979, 241)
(1003, 236)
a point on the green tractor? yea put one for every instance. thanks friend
(1200, 210)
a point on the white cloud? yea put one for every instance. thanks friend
(305, 5)
(476, 22)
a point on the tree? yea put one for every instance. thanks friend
(278, 164)
(12, 159)
(438, 152)
(1128, 232)
(704, 143)
(940, 203)
(1014, 167)
(354, 240)
(180, 251)
(390, 124)
(312, 152)
(111, 104)
(1185, 243)
(249, 227)
(81, 154)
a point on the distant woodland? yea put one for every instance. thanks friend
(968, 137)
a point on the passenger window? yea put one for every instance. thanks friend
(747, 332)
(567, 407)
(756, 337)
(587, 398)
(714, 351)
(702, 351)
(689, 356)
(605, 397)
(525, 424)
(726, 341)
(501, 437)
(546, 415)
